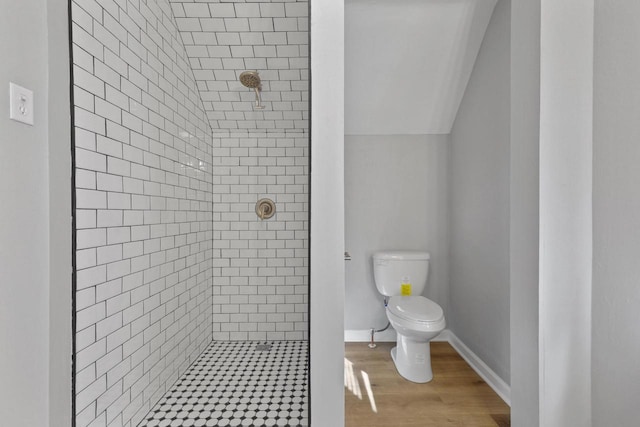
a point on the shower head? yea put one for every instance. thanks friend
(251, 79)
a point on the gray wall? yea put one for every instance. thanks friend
(524, 201)
(396, 198)
(60, 233)
(35, 226)
(566, 127)
(479, 282)
(616, 215)
(326, 305)
(24, 226)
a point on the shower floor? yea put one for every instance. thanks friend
(239, 383)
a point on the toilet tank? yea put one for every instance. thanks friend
(394, 270)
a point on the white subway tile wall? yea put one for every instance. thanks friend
(144, 209)
(171, 158)
(225, 38)
(260, 267)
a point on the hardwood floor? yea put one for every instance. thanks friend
(456, 396)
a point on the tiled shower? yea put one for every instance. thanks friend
(170, 159)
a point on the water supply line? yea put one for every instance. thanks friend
(372, 343)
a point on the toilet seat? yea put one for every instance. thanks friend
(415, 309)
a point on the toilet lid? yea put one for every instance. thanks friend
(415, 308)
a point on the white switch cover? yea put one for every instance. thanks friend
(21, 104)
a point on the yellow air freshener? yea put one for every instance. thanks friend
(405, 289)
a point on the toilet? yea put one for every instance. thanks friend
(401, 276)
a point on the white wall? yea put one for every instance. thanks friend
(326, 307)
(616, 215)
(35, 213)
(479, 226)
(524, 202)
(396, 198)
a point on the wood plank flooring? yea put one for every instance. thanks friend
(456, 396)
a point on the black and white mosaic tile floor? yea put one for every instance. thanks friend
(239, 383)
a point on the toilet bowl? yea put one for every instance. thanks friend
(402, 275)
(416, 320)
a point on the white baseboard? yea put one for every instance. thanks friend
(442, 336)
(364, 335)
(501, 388)
(498, 385)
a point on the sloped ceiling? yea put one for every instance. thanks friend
(223, 39)
(407, 63)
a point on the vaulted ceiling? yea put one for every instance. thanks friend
(407, 63)
(223, 39)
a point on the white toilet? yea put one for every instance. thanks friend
(402, 275)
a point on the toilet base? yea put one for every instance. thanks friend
(412, 360)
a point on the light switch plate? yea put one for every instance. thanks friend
(21, 108)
